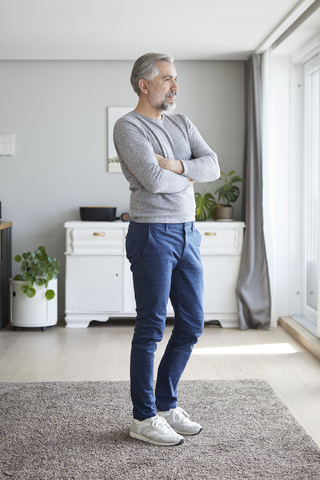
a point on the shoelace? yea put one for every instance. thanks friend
(178, 413)
(160, 424)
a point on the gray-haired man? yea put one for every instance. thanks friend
(162, 156)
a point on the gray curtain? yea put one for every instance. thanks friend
(253, 287)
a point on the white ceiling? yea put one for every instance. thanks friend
(125, 29)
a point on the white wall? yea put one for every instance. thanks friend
(58, 114)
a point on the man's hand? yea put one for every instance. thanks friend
(170, 164)
(175, 166)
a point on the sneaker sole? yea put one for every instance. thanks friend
(186, 433)
(148, 440)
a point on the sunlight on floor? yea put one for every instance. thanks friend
(271, 349)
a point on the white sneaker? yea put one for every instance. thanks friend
(178, 419)
(155, 430)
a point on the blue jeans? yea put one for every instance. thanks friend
(165, 262)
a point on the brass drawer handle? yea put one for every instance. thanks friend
(212, 234)
(99, 234)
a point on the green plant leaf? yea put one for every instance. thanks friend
(228, 192)
(17, 258)
(49, 294)
(31, 292)
(25, 264)
(205, 206)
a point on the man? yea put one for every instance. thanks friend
(161, 156)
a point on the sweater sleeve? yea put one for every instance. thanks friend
(203, 165)
(139, 163)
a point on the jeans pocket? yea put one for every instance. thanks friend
(144, 238)
(136, 240)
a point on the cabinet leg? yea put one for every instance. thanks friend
(77, 324)
(82, 320)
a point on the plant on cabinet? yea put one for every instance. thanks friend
(228, 193)
(206, 206)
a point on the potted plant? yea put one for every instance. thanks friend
(206, 206)
(34, 290)
(228, 192)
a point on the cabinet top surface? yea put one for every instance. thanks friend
(4, 225)
(118, 223)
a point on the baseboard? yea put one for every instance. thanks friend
(303, 336)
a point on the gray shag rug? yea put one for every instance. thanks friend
(80, 431)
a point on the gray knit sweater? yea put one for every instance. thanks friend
(159, 195)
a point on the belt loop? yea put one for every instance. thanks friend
(166, 227)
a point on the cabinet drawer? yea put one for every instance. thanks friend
(96, 240)
(221, 241)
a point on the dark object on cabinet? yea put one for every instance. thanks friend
(98, 214)
(5, 271)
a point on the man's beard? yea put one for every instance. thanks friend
(165, 105)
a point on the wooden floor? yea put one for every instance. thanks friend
(101, 352)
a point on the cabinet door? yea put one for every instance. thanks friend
(94, 284)
(220, 278)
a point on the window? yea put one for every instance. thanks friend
(311, 197)
(312, 183)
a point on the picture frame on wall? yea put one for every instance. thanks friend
(114, 113)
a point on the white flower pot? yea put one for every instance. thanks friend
(36, 311)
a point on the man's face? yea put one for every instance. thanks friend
(163, 88)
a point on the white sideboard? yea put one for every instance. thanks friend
(99, 280)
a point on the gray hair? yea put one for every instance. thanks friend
(145, 67)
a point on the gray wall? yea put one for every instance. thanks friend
(58, 113)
